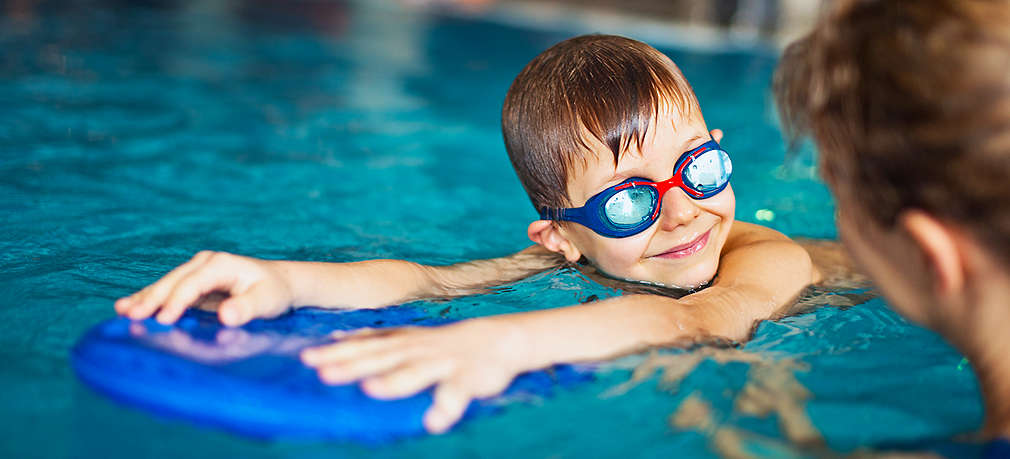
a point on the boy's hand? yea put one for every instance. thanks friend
(466, 360)
(258, 288)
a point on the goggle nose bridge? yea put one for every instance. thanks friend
(674, 182)
(661, 189)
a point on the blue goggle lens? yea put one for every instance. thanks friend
(630, 207)
(709, 171)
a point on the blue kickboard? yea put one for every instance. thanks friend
(249, 379)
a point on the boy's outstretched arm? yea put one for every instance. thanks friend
(267, 288)
(761, 274)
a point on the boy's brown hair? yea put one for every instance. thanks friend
(607, 86)
(909, 103)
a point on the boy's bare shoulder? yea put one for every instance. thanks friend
(744, 233)
(836, 269)
(834, 263)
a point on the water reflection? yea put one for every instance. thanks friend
(224, 345)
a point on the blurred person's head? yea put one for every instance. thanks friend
(592, 112)
(909, 105)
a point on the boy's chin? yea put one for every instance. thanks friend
(696, 277)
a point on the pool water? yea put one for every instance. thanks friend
(137, 133)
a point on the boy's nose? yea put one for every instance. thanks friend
(678, 209)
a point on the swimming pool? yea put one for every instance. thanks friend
(135, 135)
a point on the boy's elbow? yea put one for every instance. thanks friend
(733, 321)
(432, 281)
(685, 325)
(700, 330)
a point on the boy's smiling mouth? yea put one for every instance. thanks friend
(688, 249)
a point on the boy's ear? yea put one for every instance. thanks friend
(547, 234)
(716, 135)
(941, 248)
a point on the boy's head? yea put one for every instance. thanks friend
(588, 114)
(909, 103)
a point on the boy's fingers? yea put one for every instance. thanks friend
(160, 289)
(345, 372)
(232, 312)
(243, 307)
(143, 303)
(360, 333)
(142, 309)
(450, 404)
(344, 350)
(406, 380)
(716, 135)
(124, 304)
(188, 289)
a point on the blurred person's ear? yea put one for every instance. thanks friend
(548, 234)
(942, 247)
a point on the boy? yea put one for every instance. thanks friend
(909, 103)
(595, 127)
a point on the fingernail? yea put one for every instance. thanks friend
(308, 357)
(436, 422)
(371, 387)
(331, 376)
(229, 316)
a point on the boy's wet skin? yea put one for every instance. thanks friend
(682, 248)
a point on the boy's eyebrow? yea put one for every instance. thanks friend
(619, 177)
(687, 145)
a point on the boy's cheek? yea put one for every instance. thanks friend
(722, 205)
(617, 263)
(619, 258)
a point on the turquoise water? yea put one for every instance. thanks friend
(134, 136)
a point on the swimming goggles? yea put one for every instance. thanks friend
(633, 206)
